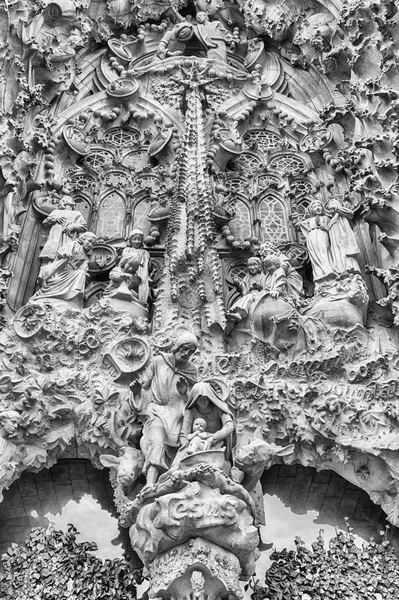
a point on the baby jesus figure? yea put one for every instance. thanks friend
(199, 438)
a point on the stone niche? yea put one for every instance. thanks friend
(198, 261)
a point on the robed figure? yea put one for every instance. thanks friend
(160, 399)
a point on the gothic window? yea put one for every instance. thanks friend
(98, 159)
(301, 206)
(262, 139)
(111, 216)
(140, 215)
(83, 205)
(136, 160)
(274, 219)
(241, 224)
(122, 137)
(288, 164)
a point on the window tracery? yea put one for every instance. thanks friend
(288, 164)
(111, 216)
(262, 139)
(273, 219)
(122, 137)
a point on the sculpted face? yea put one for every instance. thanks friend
(88, 243)
(316, 208)
(183, 353)
(201, 17)
(202, 402)
(136, 241)
(254, 266)
(270, 266)
(199, 425)
(66, 203)
(10, 425)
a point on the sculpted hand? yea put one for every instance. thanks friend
(209, 442)
(182, 386)
(135, 387)
(68, 229)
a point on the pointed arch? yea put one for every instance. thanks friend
(111, 221)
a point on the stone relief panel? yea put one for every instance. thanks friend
(198, 260)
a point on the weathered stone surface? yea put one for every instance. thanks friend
(235, 166)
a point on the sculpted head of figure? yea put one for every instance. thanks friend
(184, 32)
(201, 17)
(67, 202)
(332, 205)
(254, 265)
(9, 421)
(199, 425)
(87, 240)
(316, 208)
(136, 238)
(271, 262)
(185, 347)
(203, 395)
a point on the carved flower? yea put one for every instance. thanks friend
(89, 342)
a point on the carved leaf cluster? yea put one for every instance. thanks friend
(343, 570)
(52, 564)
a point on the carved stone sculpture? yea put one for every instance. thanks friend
(216, 144)
(65, 278)
(129, 285)
(206, 403)
(268, 313)
(66, 224)
(343, 246)
(199, 440)
(9, 422)
(249, 288)
(214, 37)
(159, 399)
(316, 231)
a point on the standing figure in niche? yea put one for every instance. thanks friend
(160, 399)
(343, 245)
(65, 278)
(249, 288)
(315, 228)
(204, 403)
(66, 223)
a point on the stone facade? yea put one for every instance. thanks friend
(199, 260)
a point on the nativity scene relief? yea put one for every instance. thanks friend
(199, 265)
